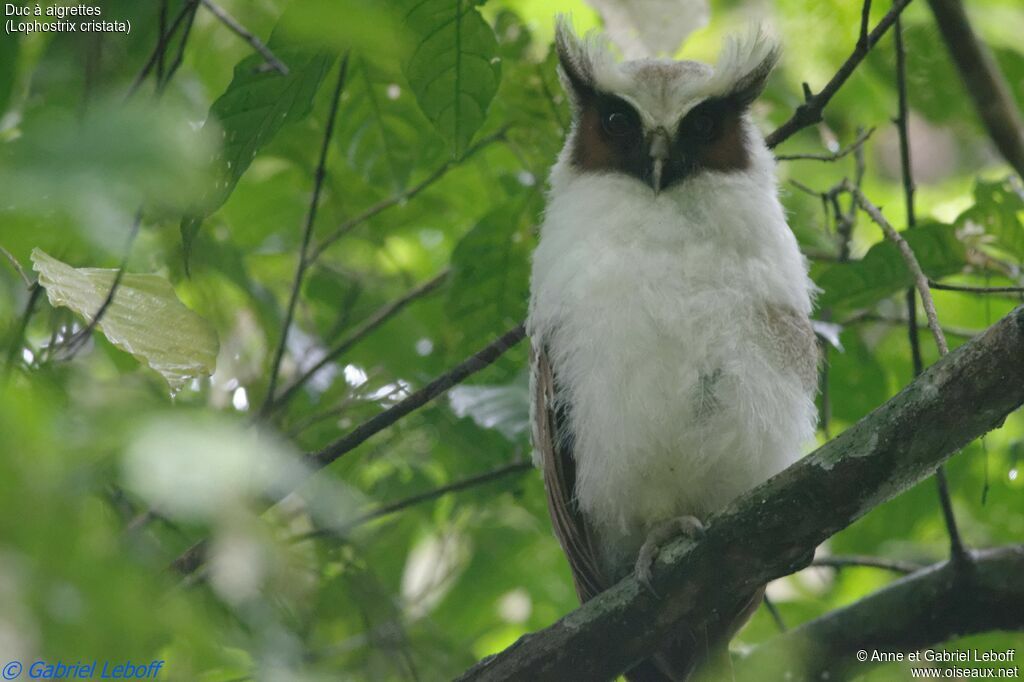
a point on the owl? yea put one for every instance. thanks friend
(673, 363)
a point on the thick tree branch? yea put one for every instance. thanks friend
(984, 81)
(922, 609)
(775, 528)
(810, 111)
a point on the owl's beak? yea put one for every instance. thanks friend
(659, 155)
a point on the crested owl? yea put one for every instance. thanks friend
(674, 366)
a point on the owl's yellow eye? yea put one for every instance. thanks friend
(617, 123)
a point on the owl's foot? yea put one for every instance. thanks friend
(685, 526)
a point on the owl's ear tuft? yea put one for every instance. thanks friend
(745, 64)
(575, 67)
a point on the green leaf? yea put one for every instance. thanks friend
(256, 104)
(882, 272)
(8, 63)
(145, 317)
(999, 210)
(491, 271)
(454, 69)
(383, 133)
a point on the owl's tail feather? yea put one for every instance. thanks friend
(703, 655)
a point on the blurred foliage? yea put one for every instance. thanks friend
(450, 116)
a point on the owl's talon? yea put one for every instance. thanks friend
(685, 526)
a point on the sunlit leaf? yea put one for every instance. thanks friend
(454, 69)
(145, 317)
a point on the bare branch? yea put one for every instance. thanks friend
(307, 234)
(441, 384)
(17, 267)
(893, 565)
(861, 138)
(375, 320)
(975, 290)
(984, 81)
(925, 608)
(920, 279)
(246, 35)
(956, 545)
(157, 55)
(427, 496)
(810, 111)
(193, 557)
(774, 529)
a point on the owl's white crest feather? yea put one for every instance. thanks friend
(743, 55)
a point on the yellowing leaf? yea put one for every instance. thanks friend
(145, 318)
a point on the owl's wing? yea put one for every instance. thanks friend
(554, 441)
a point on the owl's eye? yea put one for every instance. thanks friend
(617, 123)
(702, 126)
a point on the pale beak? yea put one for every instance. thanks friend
(659, 155)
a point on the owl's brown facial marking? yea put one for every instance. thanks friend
(609, 136)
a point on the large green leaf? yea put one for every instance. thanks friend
(256, 104)
(145, 317)
(882, 272)
(999, 210)
(455, 68)
(382, 131)
(491, 271)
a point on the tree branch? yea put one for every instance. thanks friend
(775, 528)
(894, 565)
(375, 320)
(246, 35)
(810, 111)
(984, 81)
(189, 560)
(922, 609)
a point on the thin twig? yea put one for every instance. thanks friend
(307, 234)
(894, 565)
(375, 320)
(75, 341)
(441, 384)
(402, 197)
(17, 266)
(774, 611)
(861, 138)
(809, 112)
(19, 334)
(420, 498)
(161, 46)
(975, 290)
(192, 558)
(902, 125)
(246, 35)
(920, 280)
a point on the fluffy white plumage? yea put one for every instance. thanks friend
(655, 312)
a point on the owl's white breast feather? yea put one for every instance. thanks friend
(651, 309)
